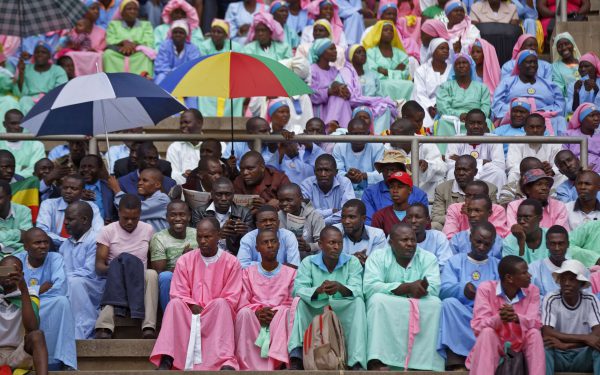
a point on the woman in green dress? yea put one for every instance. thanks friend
(266, 38)
(130, 42)
(566, 61)
(457, 96)
(386, 57)
(219, 42)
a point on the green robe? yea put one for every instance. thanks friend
(563, 75)
(452, 100)
(510, 246)
(277, 50)
(36, 83)
(397, 85)
(7, 100)
(388, 315)
(585, 243)
(161, 33)
(349, 310)
(19, 219)
(26, 154)
(213, 106)
(142, 34)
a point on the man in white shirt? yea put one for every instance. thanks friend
(587, 206)
(432, 169)
(489, 156)
(184, 156)
(535, 125)
(571, 323)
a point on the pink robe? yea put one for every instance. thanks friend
(217, 288)
(555, 213)
(457, 221)
(90, 62)
(261, 291)
(486, 324)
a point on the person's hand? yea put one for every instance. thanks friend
(457, 46)
(400, 67)
(383, 71)
(18, 278)
(592, 341)
(508, 315)
(113, 184)
(232, 162)
(470, 291)
(345, 92)
(265, 315)
(302, 244)
(243, 30)
(332, 126)
(432, 111)
(273, 203)
(187, 173)
(355, 175)
(25, 56)
(463, 117)
(553, 343)
(418, 289)
(423, 165)
(196, 309)
(45, 287)
(331, 287)
(240, 228)
(362, 256)
(88, 195)
(453, 157)
(590, 84)
(334, 89)
(257, 203)
(21, 66)
(228, 229)
(57, 173)
(577, 86)
(187, 248)
(367, 13)
(518, 231)
(287, 134)
(547, 168)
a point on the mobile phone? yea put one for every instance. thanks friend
(6, 270)
(234, 217)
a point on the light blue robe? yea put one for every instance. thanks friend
(354, 23)
(288, 249)
(546, 94)
(544, 69)
(296, 169)
(457, 310)
(364, 161)
(297, 23)
(541, 276)
(240, 148)
(508, 131)
(460, 243)
(168, 60)
(85, 287)
(56, 318)
(238, 16)
(154, 209)
(527, 15)
(584, 96)
(436, 243)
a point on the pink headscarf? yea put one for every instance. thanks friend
(313, 9)
(547, 115)
(461, 29)
(575, 121)
(190, 13)
(267, 20)
(491, 66)
(435, 28)
(519, 44)
(593, 59)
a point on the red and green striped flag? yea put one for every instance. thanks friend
(27, 193)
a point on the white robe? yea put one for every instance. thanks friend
(427, 81)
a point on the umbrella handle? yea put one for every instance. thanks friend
(231, 117)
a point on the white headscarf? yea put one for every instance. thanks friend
(435, 43)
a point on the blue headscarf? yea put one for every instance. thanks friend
(318, 47)
(471, 62)
(362, 108)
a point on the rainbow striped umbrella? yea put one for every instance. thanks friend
(233, 75)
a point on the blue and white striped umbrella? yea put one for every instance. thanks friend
(101, 103)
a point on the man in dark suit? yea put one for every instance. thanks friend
(235, 221)
(94, 173)
(129, 164)
(147, 157)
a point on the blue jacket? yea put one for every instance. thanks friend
(128, 183)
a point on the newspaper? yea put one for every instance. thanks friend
(195, 199)
(243, 199)
(295, 224)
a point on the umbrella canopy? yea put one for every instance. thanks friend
(234, 75)
(31, 17)
(101, 103)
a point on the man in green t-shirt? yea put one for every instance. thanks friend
(22, 344)
(169, 244)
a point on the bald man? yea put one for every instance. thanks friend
(154, 201)
(45, 273)
(85, 287)
(401, 284)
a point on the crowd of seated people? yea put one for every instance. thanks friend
(490, 243)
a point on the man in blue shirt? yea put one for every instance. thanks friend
(569, 165)
(147, 157)
(327, 190)
(96, 189)
(378, 196)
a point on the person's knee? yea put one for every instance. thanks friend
(533, 336)
(487, 333)
(165, 277)
(245, 313)
(34, 339)
(151, 276)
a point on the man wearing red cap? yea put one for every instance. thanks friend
(400, 184)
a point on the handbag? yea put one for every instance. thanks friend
(512, 363)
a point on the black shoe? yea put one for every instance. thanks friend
(227, 368)
(103, 334)
(166, 363)
(296, 364)
(148, 333)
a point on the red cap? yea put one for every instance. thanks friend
(402, 177)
